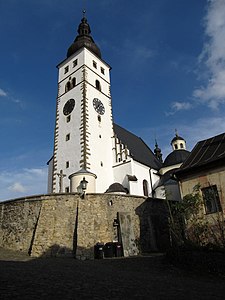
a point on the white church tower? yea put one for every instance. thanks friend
(84, 125)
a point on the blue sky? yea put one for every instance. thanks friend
(168, 72)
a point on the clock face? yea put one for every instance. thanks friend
(98, 106)
(68, 107)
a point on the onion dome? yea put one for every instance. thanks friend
(84, 39)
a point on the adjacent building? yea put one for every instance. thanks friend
(206, 167)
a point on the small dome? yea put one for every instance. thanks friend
(116, 188)
(84, 39)
(176, 157)
(177, 138)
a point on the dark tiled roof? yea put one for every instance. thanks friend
(176, 157)
(116, 187)
(205, 154)
(138, 149)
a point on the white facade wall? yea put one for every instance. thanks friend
(142, 172)
(120, 171)
(69, 151)
(101, 132)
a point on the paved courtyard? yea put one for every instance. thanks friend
(147, 277)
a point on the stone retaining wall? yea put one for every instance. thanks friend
(64, 224)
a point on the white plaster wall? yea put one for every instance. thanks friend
(69, 150)
(120, 171)
(101, 133)
(79, 55)
(89, 57)
(142, 173)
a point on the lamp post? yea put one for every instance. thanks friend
(83, 187)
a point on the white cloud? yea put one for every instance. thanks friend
(10, 98)
(17, 187)
(24, 182)
(178, 106)
(202, 128)
(213, 56)
(2, 93)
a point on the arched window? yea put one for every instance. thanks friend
(181, 145)
(68, 86)
(73, 82)
(145, 188)
(97, 84)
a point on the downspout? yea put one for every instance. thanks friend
(150, 176)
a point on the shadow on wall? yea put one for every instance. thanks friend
(98, 251)
(154, 226)
(61, 251)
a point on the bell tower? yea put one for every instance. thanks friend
(84, 125)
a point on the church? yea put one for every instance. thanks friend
(88, 145)
(105, 181)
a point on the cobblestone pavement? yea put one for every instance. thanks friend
(147, 277)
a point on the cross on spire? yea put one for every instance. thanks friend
(84, 8)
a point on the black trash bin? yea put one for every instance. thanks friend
(109, 250)
(118, 249)
(99, 251)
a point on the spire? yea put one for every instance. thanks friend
(84, 28)
(157, 152)
(84, 39)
